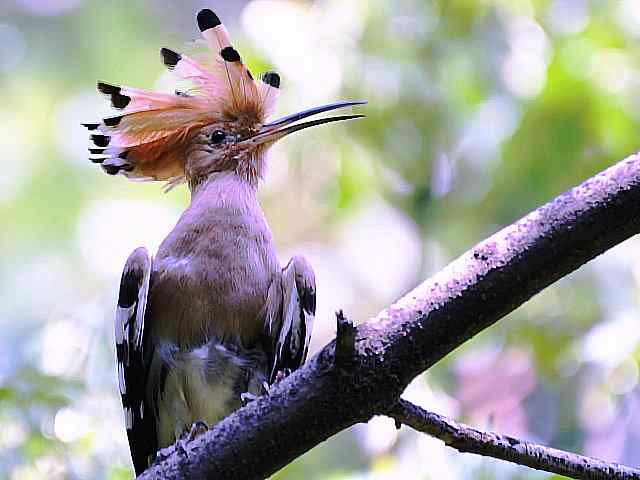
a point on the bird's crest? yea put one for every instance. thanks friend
(147, 138)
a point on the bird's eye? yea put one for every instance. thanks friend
(218, 136)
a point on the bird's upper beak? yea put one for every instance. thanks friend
(277, 129)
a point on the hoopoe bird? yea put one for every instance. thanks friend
(212, 318)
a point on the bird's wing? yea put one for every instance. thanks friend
(132, 360)
(290, 325)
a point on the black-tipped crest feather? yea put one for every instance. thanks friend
(230, 54)
(271, 78)
(107, 88)
(100, 140)
(207, 19)
(110, 169)
(118, 100)
(169, 57)
(112, 121)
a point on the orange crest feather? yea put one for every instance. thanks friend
(147, 139)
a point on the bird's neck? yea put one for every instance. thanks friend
(223, 188)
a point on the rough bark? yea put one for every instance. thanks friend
(473, 292)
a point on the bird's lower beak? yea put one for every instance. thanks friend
(273, 131)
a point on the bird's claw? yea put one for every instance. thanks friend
(282, 374)
(197, 428)
(163, 454)
(246, 398)
(180, 447)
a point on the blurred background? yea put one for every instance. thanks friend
(479, 111)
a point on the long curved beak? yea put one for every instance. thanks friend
(273, 131)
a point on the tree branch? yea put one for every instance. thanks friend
(467, 439)
(469, 295)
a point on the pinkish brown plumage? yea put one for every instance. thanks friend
(212, 317)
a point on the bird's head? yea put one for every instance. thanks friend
(220, 123)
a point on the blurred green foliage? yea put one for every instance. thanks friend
(479, 111)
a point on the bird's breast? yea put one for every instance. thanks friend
(212, 273)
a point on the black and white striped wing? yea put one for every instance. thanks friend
(291, 325)
(132, 360)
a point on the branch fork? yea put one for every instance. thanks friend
(407, 338)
